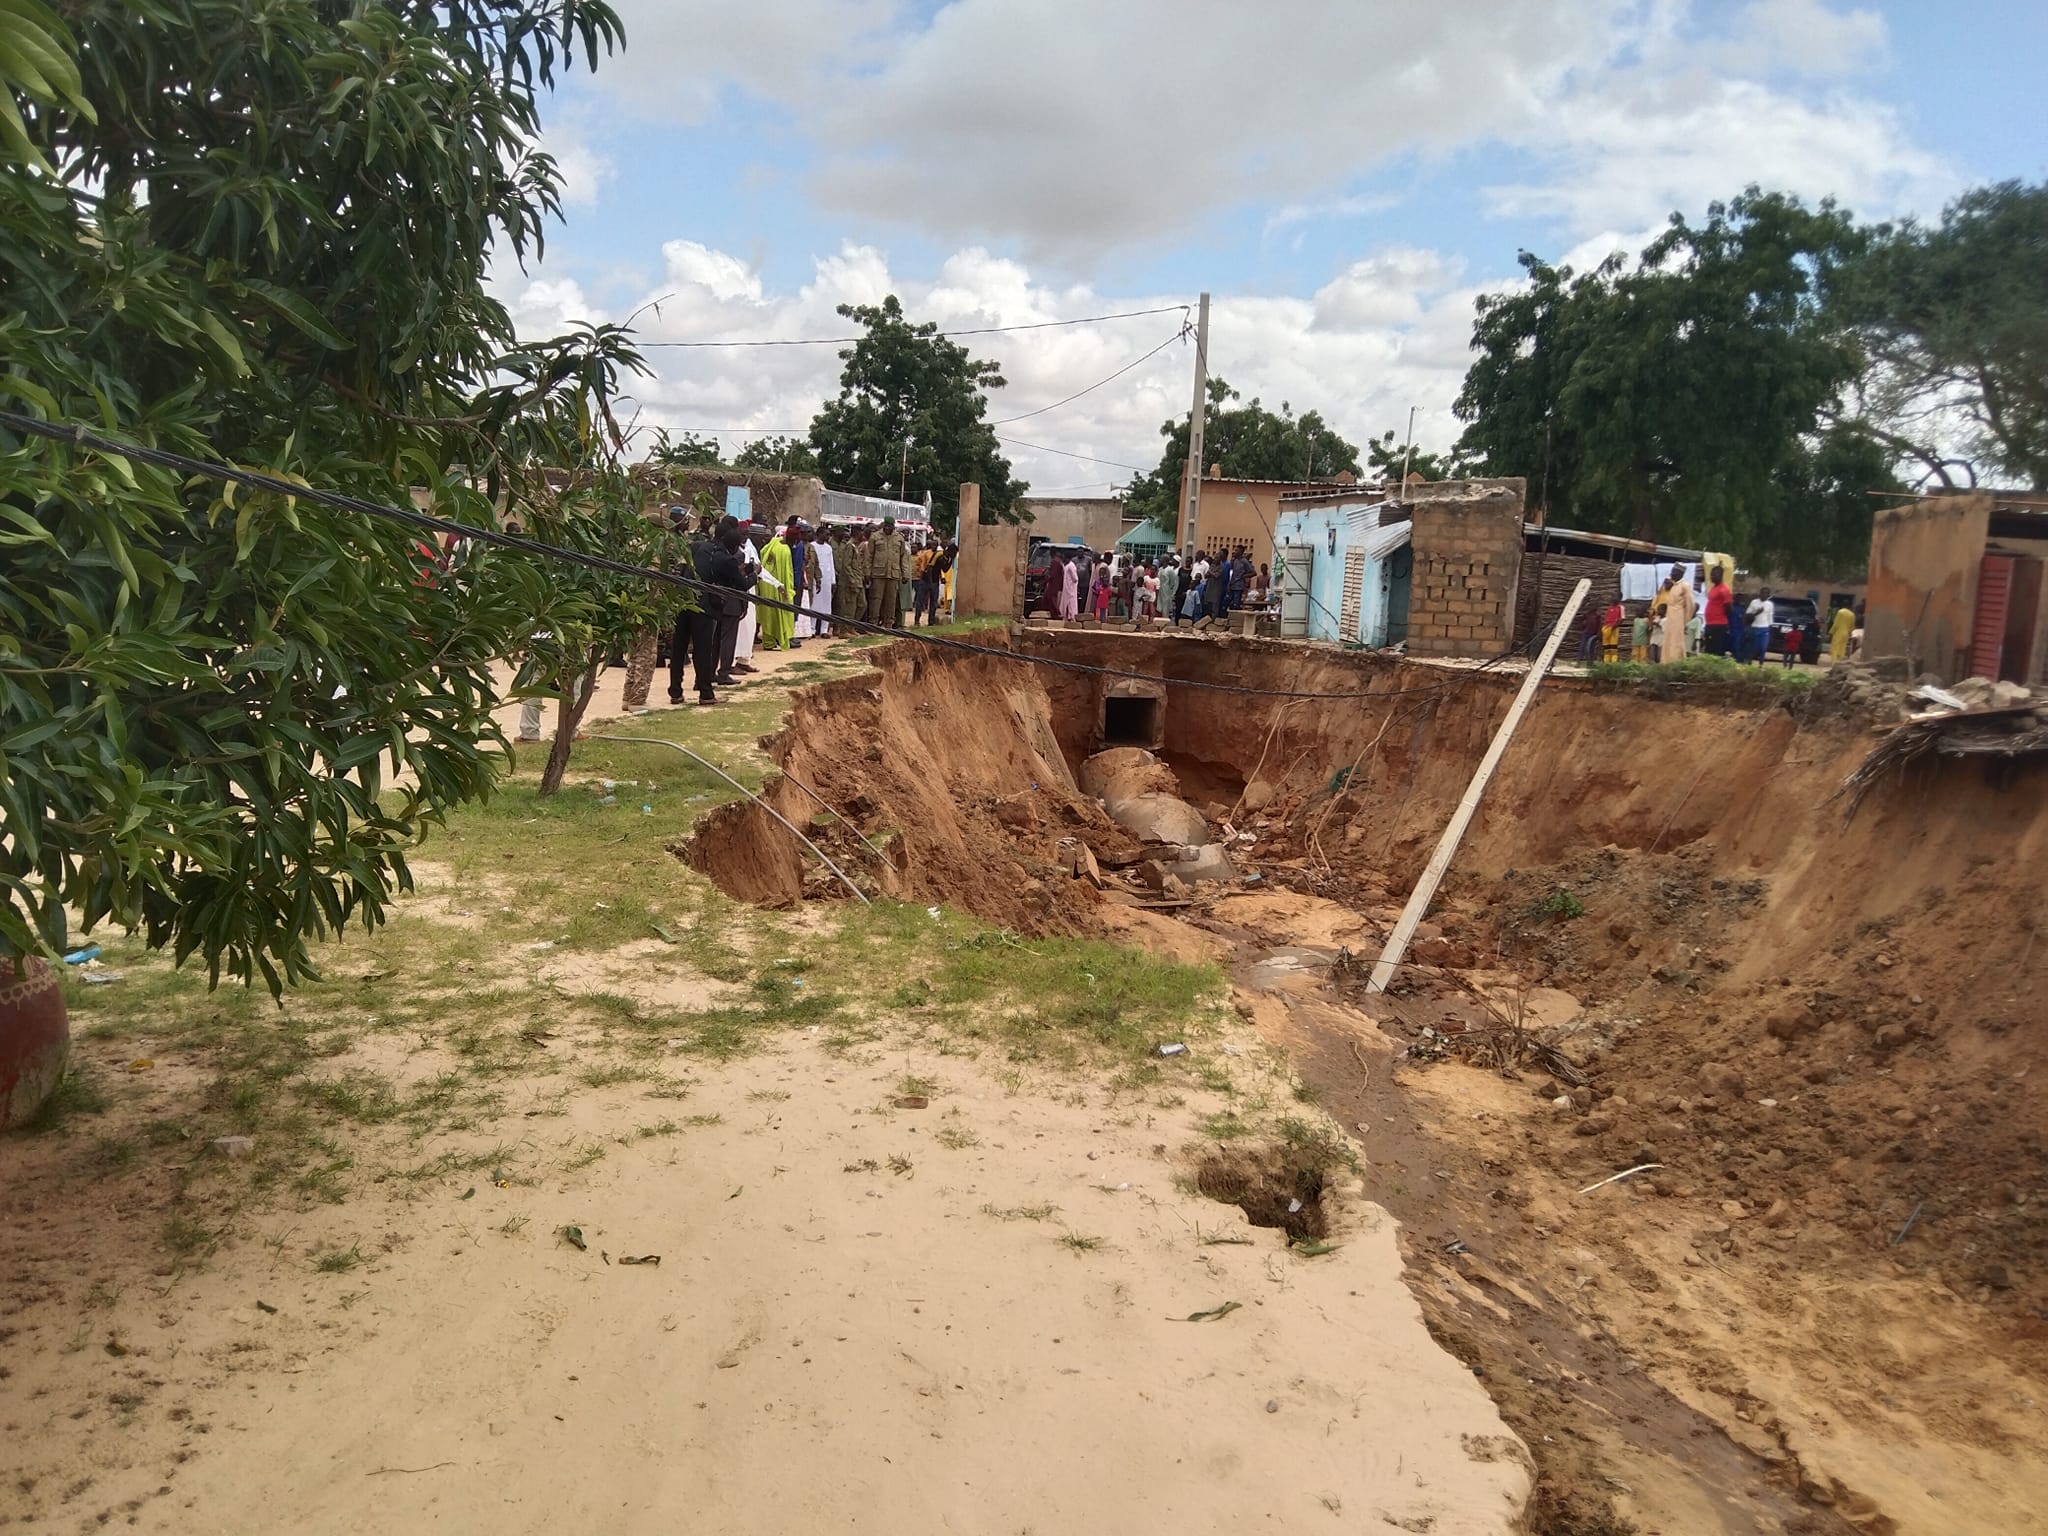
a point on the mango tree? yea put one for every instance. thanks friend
(259, 233)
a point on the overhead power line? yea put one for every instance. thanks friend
(79, 435)
(1179, 335)
(980, 330)
(1018, 442)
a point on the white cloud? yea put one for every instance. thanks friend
(1649, 145)
(1804, 37)
(1387, 332)
(542, 307)
(688, 60)
(1064, 129)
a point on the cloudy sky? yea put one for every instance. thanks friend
(1342, 175)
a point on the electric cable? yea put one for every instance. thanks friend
(81, 436)
(1179, 335)
(981, 330)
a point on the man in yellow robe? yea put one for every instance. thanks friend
(778, 583)
(1840, 629)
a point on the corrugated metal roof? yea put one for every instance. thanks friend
(1612, 541)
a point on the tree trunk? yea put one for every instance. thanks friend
(569, 711)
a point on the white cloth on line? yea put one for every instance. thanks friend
(1639, 582)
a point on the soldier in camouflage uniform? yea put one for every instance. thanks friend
(850, 588)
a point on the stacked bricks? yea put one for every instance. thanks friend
(1468, 555)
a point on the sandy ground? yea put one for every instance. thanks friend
(611, 687)
(972, 1316)
(831, 1341)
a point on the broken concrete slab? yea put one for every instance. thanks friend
(1160, 819)
(1123, 773)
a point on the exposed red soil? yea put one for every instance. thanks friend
(1823, 1030)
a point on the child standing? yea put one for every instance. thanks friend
(1610, 632)
(1639, 638)
(1792, 638)
(1101, 595)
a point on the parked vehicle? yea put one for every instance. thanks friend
(1787, 614)
(1035, 566)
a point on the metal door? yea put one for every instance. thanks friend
(1994, 595)
(1296, 561)
(1400, 582)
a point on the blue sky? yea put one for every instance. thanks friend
(1343, 176)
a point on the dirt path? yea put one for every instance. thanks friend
(834, 1339)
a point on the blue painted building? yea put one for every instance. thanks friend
(1342, 571)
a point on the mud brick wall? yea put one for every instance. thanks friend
(1468, 554)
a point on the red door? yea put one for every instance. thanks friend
(1994, 599)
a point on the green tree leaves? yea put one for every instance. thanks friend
(1956, 322)
(259, 233)
(911, 418)
(782, 455)
(1250, 442)
(1693, 396)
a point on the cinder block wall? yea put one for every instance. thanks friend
(1468, 557)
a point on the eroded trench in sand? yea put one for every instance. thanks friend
(1661, 943)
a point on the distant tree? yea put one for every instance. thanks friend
(687, 452)
(1386, 458)
(1955, 319)
(1250, 442)
(911, 418)
(781, 455)
(1696, 396)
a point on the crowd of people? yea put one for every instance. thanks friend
(1678, 622)
(1194, 589)
(851, 575)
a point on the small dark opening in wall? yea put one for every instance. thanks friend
(1130, 722)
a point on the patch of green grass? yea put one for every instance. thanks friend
(356, 1095)
(590, 1152)
(610, 1074)
(444, 1164)
(339, 1261)
(1226, 1125)
(956, 1138)
(1560, 905)
(1316, 1144)
(326, 1183)
(1040, 1212)
(511, 1226)
(1701, 674)
(659, 1128)
(1076, 1243)
(114, 1154)
(186, 1237)
(921, 1087)
(77, 1093)
(1063, 1002)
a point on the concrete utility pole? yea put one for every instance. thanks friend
(1191, 485)
(1447, 845)
(1408, 457)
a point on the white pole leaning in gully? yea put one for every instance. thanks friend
(1447, 845)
